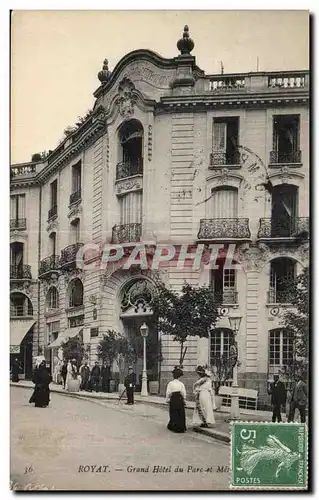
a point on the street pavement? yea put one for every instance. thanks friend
(79, 444)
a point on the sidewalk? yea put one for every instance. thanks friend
(220, 432)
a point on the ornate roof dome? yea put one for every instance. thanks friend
(185, 45)
(104, 74)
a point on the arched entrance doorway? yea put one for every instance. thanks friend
(136, 298)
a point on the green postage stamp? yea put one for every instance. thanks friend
(269, 456)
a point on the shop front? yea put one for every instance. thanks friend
(21, 342)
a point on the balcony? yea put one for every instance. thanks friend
(223, 158)
(227, 297)
(127, 233)
(294, 228)
(18, 224)
(278, 297)
(280, 158)
(259, 81)
(129, 168)
(224, 229)
(75, 197)
(49, 264)
(22, 272)
(68, 255)
(53, 212)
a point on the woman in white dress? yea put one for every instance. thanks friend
(204, 399)
(176, 397)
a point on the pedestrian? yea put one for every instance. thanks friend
(15, 370)
(204, 399)
(85, 376)
(72, 373)
(129, 383)
(299, 397)
(278, 394)
(176, 397)
(41, 379)
(95, 376)
(106, 375)
(64, 372)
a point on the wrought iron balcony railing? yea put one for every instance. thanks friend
(49, 264)
(53, 212)
(18, 223)
(278, 297)
(69, 254)
(276, 157)
(295, 227)
(218, 158)
(211, 229)
(20, 310)
(127, 233)
(20, 272)
(76, 196)
(226, 297)
(128, 168)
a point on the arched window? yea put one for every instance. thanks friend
(131, 149)
(20, 305)
(280, 350)
(220, 342)
(223, 203)
(76, 293)
(52, 299)
(282, 271)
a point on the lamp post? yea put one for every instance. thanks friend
(144, 333)
(234, 321)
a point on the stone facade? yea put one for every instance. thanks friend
(176, 106)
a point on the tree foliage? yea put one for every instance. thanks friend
(73, 349)
(73, 128)
(297, 320)
(191, 312)
(115, 347)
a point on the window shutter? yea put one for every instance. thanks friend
(223, 204)
(13, 207)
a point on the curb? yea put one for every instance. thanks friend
(212, 433)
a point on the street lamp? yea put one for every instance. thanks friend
(144, 333)
(234, 321)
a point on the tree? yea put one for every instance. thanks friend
(73, 349)
(297, 320)
(189, 313)
(114, 347)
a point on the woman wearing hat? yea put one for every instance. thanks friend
(204, 399)
(176, 397)
(41, 379)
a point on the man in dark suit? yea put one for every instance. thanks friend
(106, 375)
(95, 376)
(129, 383)
(277, 391)
(299, 396)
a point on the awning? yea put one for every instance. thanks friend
(68, 334)
(19, 329)
(132, 313)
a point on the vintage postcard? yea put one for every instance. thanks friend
(159, 250)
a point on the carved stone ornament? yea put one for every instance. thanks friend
(285, 175)
(252, 257)
(24, 287)
(52, 225)
(20, 233)
(126, 98)
(126, 186)
(70, 274)
(75, 211)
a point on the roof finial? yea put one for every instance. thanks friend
(185, 45)
(104, 74)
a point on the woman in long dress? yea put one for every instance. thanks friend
(41, 379)
(204, 399)
(176, 397)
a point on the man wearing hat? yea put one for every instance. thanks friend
(129, 383)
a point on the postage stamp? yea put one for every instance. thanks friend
(269, 456)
